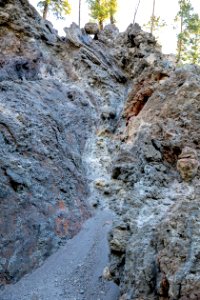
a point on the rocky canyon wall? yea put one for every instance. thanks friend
(121, 92)
(154, 248)
(51, 92)
(155, 186)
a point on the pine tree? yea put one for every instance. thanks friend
(194, 39)
(155, 23)
(112, 4)
(153, 17)
(58, 7)
(99, 10)
(188, 45)
(184, 13)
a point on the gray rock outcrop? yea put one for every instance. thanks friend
(48, 109)
(154, 248)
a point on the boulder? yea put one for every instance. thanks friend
(91, 28)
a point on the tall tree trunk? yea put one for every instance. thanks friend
(45, 10)
(79, 14)
(153, 17)
(180, 40)
(112, 19)
(136, 10)
(100, 24)
(195, 49)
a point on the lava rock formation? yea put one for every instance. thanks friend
(141, 112)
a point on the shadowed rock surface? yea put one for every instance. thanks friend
(107, 122)
(51, 92)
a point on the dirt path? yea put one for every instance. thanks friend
(74, 271)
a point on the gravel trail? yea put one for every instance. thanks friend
(74, 272)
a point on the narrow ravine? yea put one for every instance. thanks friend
(97, 161)
(99, 152)
(75, 271)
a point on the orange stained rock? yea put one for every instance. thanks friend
(61, 205)
(188, 163)
(62, 225)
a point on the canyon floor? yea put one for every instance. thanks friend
(74, 272)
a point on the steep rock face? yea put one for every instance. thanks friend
(154, 249)
(142, 120)
(43, 187)
(51, 92)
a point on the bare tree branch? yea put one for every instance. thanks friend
(136, 10)
(153, 17)
(79, 14)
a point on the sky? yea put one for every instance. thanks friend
(166, 9)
